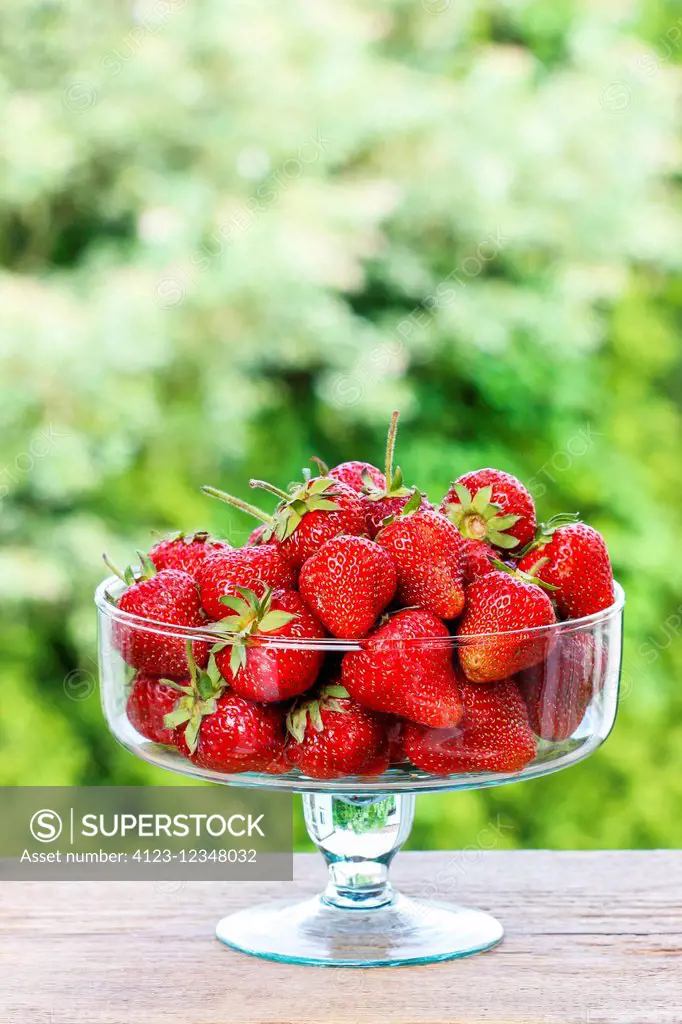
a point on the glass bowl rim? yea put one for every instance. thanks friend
(206, 633)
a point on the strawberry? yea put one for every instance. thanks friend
(358, 475)
(348, 582)
(389, 498)
(252, 661)
(185, 551)
(558, 690)
(490, 505)
(221, 731)
(476, 559)
(257, 536)
(509, 606)
(574, 559)
(149, 701)
(427, 550)
(241, 736)
(493, 736)
(331, 736)
(256, 568)
(170, 596)
(405, 668)
(307, 515)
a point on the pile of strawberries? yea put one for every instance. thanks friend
(448, 671)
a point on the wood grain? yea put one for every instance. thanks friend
(591, 938)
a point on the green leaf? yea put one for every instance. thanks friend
(275, 620)
(334, 690)
(237, 658)
(504, 522)
(463, 494)
(322, 484)
(289, 523)
(323, 505)
(249, 596)
(192, 732)
(481, 499)
(230, 624)
(205, 686)
(315, 716)
(213, 671)
(175, 718)
(296, 722)
(413, 504)
(237, 604)
(367, 480)
(503, 540)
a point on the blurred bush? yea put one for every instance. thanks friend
(234, 235)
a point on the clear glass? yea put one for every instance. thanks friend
(360, 822)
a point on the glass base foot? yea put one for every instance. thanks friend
(404, 931)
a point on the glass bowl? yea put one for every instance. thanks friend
(570, 688)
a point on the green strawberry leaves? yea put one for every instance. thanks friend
(527, 577)
(130, 574)
(297, 719)
(478, 518)
(253, 617)
(313, 495)
(545, 531)
(198, 700)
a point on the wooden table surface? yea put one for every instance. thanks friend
(590, 937)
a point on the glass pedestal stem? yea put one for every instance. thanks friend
(358, 838)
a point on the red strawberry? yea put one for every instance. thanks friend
(427, 550)
(185, 552)
(149, 701)
(257, 536)
(307, 515)
(558, 690)
(405, 668)
(358, 475)
(255, 568)
(476, 559)
(493, 736)
(169, 596)
(389, 498)
(240, 736)
(575, 560)
(223, 732)
(508, 606)
(493, 506)
(348, 583)
(253, 662)
(331, 736)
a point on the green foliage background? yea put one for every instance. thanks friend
(216, 220)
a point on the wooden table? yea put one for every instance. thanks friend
(590, 938)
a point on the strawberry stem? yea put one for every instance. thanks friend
(390, 446)
(229, 499)
(265, 486)
(322, 466)
(112, 568)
